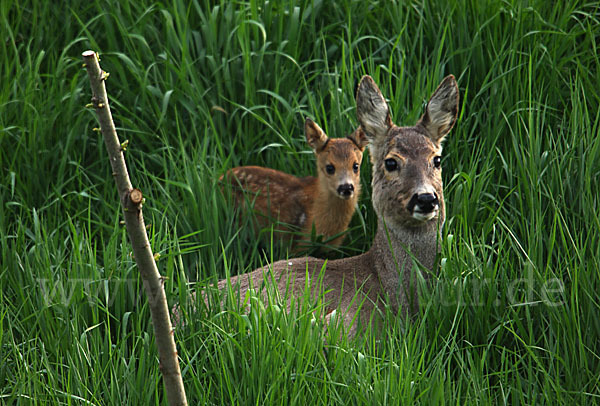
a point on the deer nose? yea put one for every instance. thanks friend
(426, 201)
(345, 190)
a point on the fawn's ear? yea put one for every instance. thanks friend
(315, 137)
(441, 111)
(372, 110)
(359, 138)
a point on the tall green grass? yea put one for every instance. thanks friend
(199, 87)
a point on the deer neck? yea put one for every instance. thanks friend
(395, 252)
(330, 213)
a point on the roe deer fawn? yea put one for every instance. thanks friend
(326, 201)
(409, 203)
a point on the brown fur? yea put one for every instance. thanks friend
(387, 272)
(296, 204)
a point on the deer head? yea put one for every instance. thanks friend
(407, 175)
(338, 159)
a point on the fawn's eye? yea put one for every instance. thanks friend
(437, 161)
(330, 169)
(355, 167)
(391, 164)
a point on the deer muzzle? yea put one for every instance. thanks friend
(345, 190)
(424, 206)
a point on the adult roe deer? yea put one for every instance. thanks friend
(408, 200)
(326, 202)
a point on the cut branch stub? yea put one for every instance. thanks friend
(136, 196)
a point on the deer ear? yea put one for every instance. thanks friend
(372, 110)
(359, 138)
(315, 137)
(441, 111)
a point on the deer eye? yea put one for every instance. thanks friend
(355, 167)
(330, 169)
(437, 161)
(391, 164)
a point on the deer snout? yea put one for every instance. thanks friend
(426, 202)
(424, 206)
(346, 190)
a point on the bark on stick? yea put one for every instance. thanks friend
(131, 201)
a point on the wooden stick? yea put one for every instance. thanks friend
(131, 200)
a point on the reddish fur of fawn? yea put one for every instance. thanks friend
(409, 203)
(325, 202)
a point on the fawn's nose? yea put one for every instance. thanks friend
(345, 190)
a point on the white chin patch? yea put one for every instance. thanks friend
(418, 215)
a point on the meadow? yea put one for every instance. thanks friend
(198, 87)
